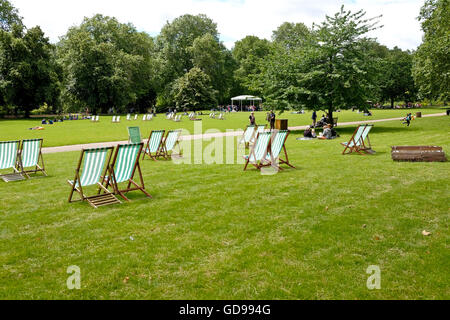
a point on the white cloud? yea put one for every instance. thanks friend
(235, 18)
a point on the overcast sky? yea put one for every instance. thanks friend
(235, 18)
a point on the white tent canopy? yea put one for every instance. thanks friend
(245, 98)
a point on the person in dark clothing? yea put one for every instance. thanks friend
(314, 117)
(252, 119)
(272, 120)
(407, 119)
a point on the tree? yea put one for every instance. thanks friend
(214, 60)
(331, 72)
(291, 35)
(174, 45)
(249, 54)
(193, 91)
(431, 66)
(8, 16)
(397, 81)
(108, 64)
(29, 75)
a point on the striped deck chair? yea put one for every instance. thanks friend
(128, 117)
(30, 155)
(258, 152)
(135, 117)
(154, 145)
(134, 135)
(95, 168)
(277, 144)
(248, 135)
(113, 120)
(357, 141)
(144, 117)
(8, 160)
(169, 143)
(259, 129)
(123, 168)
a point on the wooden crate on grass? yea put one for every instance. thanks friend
(418, 153)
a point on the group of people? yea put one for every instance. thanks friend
(328, 133)
(270, 118)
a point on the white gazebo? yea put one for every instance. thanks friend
(245, 98)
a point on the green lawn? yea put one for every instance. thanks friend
(84, 131)
(216, 232)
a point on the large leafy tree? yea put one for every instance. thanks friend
(193, 91)
(331, 72)
(8, 15)
(431, 68)
(29, 75)
(291, 35)
(216, 61)
(175, 44)
(108, 64)
(249, 54)
(396, 81)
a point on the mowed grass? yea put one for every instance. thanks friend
(216, 232)
(84, 131)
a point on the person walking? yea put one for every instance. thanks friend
(272, 120)
(252, 119)
(314, 118)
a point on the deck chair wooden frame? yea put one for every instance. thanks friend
(154, 148)
(9, 151)
(170, 141)
(93, 176)
(30, 155)
(357, 141)
(259, 151)
(123, 168)
(278, 144)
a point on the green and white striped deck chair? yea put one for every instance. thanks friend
(30, 155)
(357, 141)
(95, 168)
(8, 160)
(258, 152)
(170, 142)
(259, 129)
(154, 146)
(248, 135)
(123, 168)
(134, 135)
(278, 144)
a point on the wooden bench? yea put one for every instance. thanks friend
(418, 153)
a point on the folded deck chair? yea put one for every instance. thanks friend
(357, 141)
(123, 168)
(248, 135)
(95, 168)
(277, 144)
(259, 151)
(154, 145)
(169, 143)
(8, 160)
(30, 155)
(134, 135)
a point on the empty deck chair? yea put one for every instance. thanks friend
(357, 141)
(128, 117)
(134, 135)
(113, 120)
(154, 145)
(8, 160)
(30, 155)
(248, 135)
(259, 129)
(259, 151)
(123, 169)
(135, 117)
(95, 168)
(170, 142)
(277, 144)
(144, 117)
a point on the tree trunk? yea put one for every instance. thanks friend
(330, 117)
(392, 103)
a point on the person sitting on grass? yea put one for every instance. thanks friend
(309, 133)
(327, 133)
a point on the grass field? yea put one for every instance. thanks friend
(216, 232)
(83, 131)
